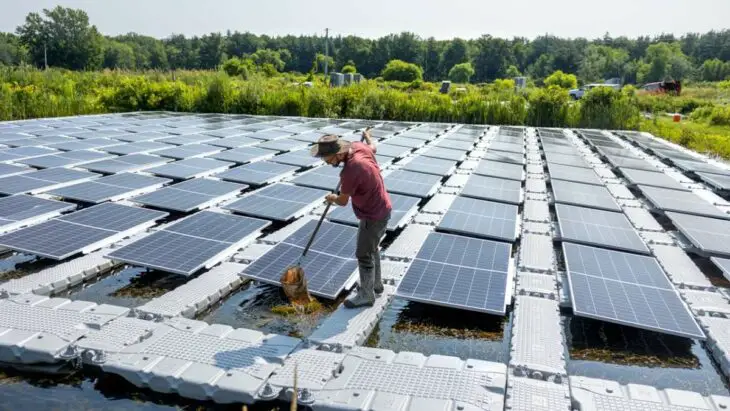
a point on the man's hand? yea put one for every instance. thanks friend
(339, 199)
(369, 140)
(330, 198)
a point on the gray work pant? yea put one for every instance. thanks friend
(369, 234)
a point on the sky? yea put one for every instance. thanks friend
(375, 18)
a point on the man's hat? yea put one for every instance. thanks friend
(330, 145)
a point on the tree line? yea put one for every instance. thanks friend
(66, 38)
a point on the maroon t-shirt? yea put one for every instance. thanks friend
(361, 179)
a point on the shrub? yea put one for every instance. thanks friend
(236, 67)
(461, 73)
(714, 116)
(349, 68)
(398, 70)
(560, 79)
(548, 107)
(604, 107)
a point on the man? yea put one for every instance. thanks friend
(363, 184)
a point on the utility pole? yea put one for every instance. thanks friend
(326, 50)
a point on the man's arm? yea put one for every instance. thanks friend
(369, 140)
(339, 199)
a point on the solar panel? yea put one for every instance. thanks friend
(717, 182)
(598, 227)
(629, 162)
(504, 157)
(75, 145)
(190, 168)
(559, 148)
(188, 151)
(439, 167)
(338, 131)
(68, 159)
(300, 158)
(418, 134)
(37, 141)
(411, 183)
(20, 210)
(129, 163)
(188, 139)
(710, 236)
(234, 142)
(566, 159)
(460, 272)
(404, 207)
(626, 289)
(43, 180)
(227, 132)
(444, 153)
(455, 143)
(243, 155)
(7, 170)
(681, 201)
(321, 177)
(20, 153)
(405, 142)
(723, 264)
(575, 174)
(269, 134)
(502, 170)
(309, 137)
(621, 152)
(586, 195)
(695, 166)
(672, 155)
(136, 148)
(480, 218)
(200, 240)
(329, 265)
(259, 173)
(283, 145)
(392, 151)
(82, 231)
(139, 137)
(651, 178)
(114, 187)
(190, 195)
(508, 147)
(281, 202)
(491, 188)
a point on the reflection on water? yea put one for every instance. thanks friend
(259, 307)
(410, 326)
(17, 265)
(126, 287)
(631, 355)
(88, 389)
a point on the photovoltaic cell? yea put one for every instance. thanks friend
(109, 188)
(300, 158)
(681, 201)
(404, 207)
(329, 265)
(269, 134)
(405, 142)
(439, 167)
(716, 181)
(504, 157)
(481, 218)
(136, 148)
(508, 147)
(392, 151)
(586, 195)
(92, 143)
(84, 230)
(309, 137)
(629, 163)
(43, 180)
(68, 159)
(188, 151)
(129, 163)
(460, 272)
(190, 168)
(139, 137)
(198, 241)
(455, 143)
(566, 159)
(411, 183)
(700, 166)
(7, 170)
(561, 147)
(625, 288)
(186, 140)
(190, 195)
(651, 178)
(19, 210)
(280, 202)
(234, 142)
(598, 227)
(445, 153)
(502, 170)
(227, 132)
(20, 153)
(321, 177)
(259, 173)
(575, 174)
(243, 155)
(710, 236)
(495, 189)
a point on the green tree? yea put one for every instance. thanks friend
(562, 80)
(432, 60)
(712, 70)
(267, 56)
(664, 61)
(461, 73)
(493, 57)
(118, 56)
(211, 51)
(319, 61)
(398, 70)
(542, 67)
(456, 52)
(235, 66)
(349, 68)
(603, 62)
(12, 53)
(68, 38)
(512, 72)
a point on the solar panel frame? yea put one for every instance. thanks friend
(599, 228)
(191, 244)
(627, 289)
(680, 201)
(278, 202)
(411, 183)
(459, 261)
(723, 264)
(584, 195)
(258, 173)
(493, 189)
(709, 236)
(330, 265)
(404, 208)
(481, 218)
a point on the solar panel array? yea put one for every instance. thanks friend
(198, 241)
(281, 202)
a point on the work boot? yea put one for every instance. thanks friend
(378, 288)
(359, 300)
